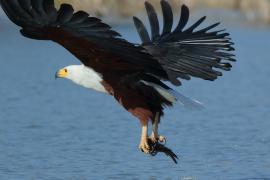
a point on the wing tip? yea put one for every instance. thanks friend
(164, 2)
(184, 7)
(135, 19)
(148, 4)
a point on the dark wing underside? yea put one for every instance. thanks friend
(89, 39)
(186, 52)
(167, 55)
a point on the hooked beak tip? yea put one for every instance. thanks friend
(56, 75)
(61, 74)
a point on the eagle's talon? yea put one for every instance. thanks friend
(145, 150)
(144, 146)
(160, 139)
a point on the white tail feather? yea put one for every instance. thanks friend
(162, 91)
(187, 102)
(174, 96)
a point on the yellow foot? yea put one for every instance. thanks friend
(158, 138)
(144, 146)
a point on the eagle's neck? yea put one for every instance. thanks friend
(86, 77)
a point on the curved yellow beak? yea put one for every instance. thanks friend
(62, 73)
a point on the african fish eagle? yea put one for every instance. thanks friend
(134, 74)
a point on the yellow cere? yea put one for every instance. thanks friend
(62, 73)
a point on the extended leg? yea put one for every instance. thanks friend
(155, 136)
(144, 146)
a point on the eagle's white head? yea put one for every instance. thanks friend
(83, 76)
(74, 73)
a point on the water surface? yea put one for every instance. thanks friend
(54, 130)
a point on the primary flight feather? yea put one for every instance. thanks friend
(133, 74)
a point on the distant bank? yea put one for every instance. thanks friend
(253, 10)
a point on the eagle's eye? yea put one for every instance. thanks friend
(66, 70)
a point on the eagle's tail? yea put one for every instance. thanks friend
(187, 102)
(175, 97)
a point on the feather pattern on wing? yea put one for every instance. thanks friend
(93, 42)
(185, 52)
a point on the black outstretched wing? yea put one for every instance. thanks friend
(186, 52)
(89, 39)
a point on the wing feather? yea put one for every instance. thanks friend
(38, 6)
(167, 17)
(78, 18)
(142, 30)
(194, 26)
(152, 15)
(187, 52)
(183, 19)
(65, 14)
(93, 42)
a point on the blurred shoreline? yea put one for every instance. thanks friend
(250, 11)
(247, 13)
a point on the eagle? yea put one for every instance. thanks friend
(139, 76)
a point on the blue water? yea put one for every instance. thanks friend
(52, 130)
